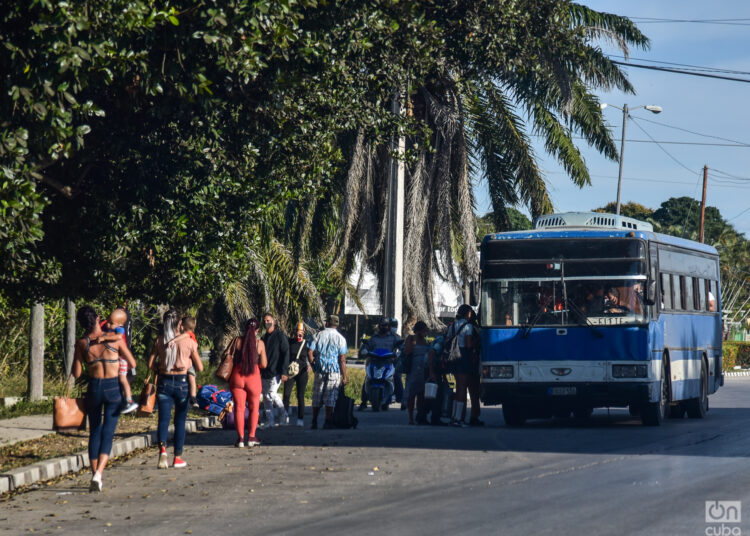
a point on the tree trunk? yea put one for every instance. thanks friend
(36, 352)
(69, 336)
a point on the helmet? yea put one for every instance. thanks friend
(393, 322)
(385, 321)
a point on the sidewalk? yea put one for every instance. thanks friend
(23, 428)
(34, 426)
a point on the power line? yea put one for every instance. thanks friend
(735, 142)
(730, 22)
(659, 145)
(680, 71)
(729, 174)
(686, 65)
(738, 215)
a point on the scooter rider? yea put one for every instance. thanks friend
(384, 339)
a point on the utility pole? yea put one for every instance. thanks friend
(703, 203)
(393, 276)
(36, 352)
(622, 154)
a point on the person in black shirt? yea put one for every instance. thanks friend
(277, 350)
(298, 354)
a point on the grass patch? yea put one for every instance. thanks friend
(64, 444)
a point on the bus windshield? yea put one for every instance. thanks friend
(564, 302)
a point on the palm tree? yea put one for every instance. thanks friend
(479, 115)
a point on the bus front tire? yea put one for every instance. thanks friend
(697, 407)
(513, 415)
(654, 413)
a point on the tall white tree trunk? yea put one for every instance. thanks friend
(36, 352)
(70, 335)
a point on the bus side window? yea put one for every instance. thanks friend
(711, 295)
(677, 281)
(700, 295)
(666, 291)
(689, 302)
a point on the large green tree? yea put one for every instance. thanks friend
(143, 146)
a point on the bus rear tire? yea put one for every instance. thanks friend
(697, 407)
(513, 415)
(654, 413)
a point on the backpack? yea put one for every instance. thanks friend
(213, 399)
(451, 350)
(343, 411)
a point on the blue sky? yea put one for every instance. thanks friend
(707, 106)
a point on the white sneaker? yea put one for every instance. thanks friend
(240, 445)
(96, 483)
(286, 420)
(163, 461)
(131, 407)
(300, 422)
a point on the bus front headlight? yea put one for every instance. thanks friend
(502, 372)
(629, 371)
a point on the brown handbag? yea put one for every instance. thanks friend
(68, 413)
(147, 399)
(224, 372)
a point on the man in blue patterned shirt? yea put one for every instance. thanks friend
(329, 367)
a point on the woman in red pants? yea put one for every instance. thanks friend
(249, 357)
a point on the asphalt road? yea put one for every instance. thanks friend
(609, 476)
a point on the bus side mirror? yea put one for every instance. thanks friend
(473, 293)
(650, 293)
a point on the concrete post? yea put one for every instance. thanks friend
(36, 352)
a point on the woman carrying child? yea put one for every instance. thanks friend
(103, 362)
(172, 387)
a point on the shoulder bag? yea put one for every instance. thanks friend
(293, 368)
(68, 413)
(147, 400)
(224, 372)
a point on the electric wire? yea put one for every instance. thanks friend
(667, 125)
(687, 66)
(680, 71)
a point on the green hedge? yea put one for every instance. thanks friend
(735, 353)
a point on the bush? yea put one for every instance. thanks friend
(734, 354)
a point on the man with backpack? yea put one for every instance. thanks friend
(462, 346)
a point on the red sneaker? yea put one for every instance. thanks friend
(252, 441)
(179, 462)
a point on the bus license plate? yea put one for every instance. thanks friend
(561, 391)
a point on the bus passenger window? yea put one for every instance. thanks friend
(688, 302)
(711, 295)
(677, 290)
(700, 295)
(666, 291)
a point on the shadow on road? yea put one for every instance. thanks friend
(722, 434)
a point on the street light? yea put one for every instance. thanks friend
(651, 108)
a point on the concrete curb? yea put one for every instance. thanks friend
(55, 467)
(738, 373)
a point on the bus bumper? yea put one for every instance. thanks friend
(549, 396)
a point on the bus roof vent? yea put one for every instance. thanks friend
(590, 220)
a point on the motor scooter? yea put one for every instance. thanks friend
(379, 371)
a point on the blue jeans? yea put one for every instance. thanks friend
(172, 391)
(103, 393)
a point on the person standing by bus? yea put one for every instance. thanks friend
(466, 369)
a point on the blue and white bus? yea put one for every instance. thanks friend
(595, 310)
